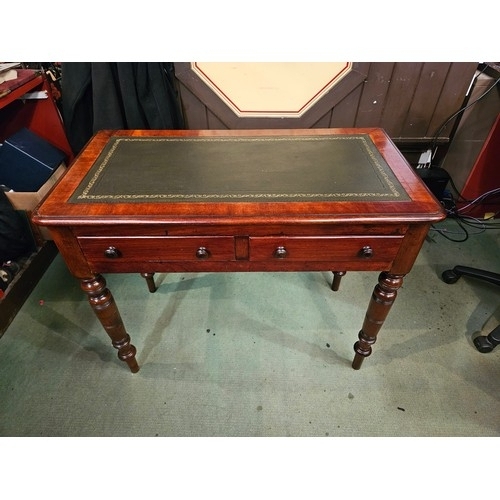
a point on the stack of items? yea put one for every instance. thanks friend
(29, 166)
(8, 71)
(12, 76)
(27, 162)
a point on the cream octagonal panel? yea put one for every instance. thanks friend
(269, 89)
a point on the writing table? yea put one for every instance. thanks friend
(239, 200)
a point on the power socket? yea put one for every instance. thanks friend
(425, 159)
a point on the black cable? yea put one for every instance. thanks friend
(460, 215)
(436, 135)
(443, 232)
(483, 225)
(454, 187)
(462, 219)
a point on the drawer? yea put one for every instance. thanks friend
(325, 248)
(157, 249)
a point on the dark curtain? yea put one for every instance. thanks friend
(122, 95)
(15, 235)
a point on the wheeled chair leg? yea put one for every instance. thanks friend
(486, 343)
(483, 343)
(452, 275)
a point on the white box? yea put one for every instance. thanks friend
(29, 200)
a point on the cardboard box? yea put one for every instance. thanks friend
(27, 161)
(27, 201)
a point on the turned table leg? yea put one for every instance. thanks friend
(149, 277)
(104, 306)
(384, 295)
(337, 277)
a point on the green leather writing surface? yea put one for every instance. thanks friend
(278, 168)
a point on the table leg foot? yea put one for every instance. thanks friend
(149, 277)
(337, 276)
(104, 306)
(357, 361)
(384, 295)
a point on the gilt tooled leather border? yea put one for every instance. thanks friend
(114, 155)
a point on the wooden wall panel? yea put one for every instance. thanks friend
(425, 99)
(410, 100)
(344, 113)
(324, 121)
(451, 98)
(214, 123)
(376, 86)
(195, 112)
(399, 97)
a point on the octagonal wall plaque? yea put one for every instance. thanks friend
(265, 95)
(271, 89)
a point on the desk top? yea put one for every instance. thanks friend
(282, 168)
(314, 173)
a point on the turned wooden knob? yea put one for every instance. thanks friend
(366, 252)
(112, 253)
(280, 253)
(202, 253)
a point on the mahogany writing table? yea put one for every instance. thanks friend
(239, 200)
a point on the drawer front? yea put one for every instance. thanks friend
(325, 249)
(157, 249)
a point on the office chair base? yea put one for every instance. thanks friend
(486, 343)
(453, 275)
(483, 343)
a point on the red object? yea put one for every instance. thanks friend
(485, 175)
(23, 76)
(41, 116)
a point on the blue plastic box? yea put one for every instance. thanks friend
(27, 161)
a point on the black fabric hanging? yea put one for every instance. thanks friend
(15, 236)
(120, 95)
